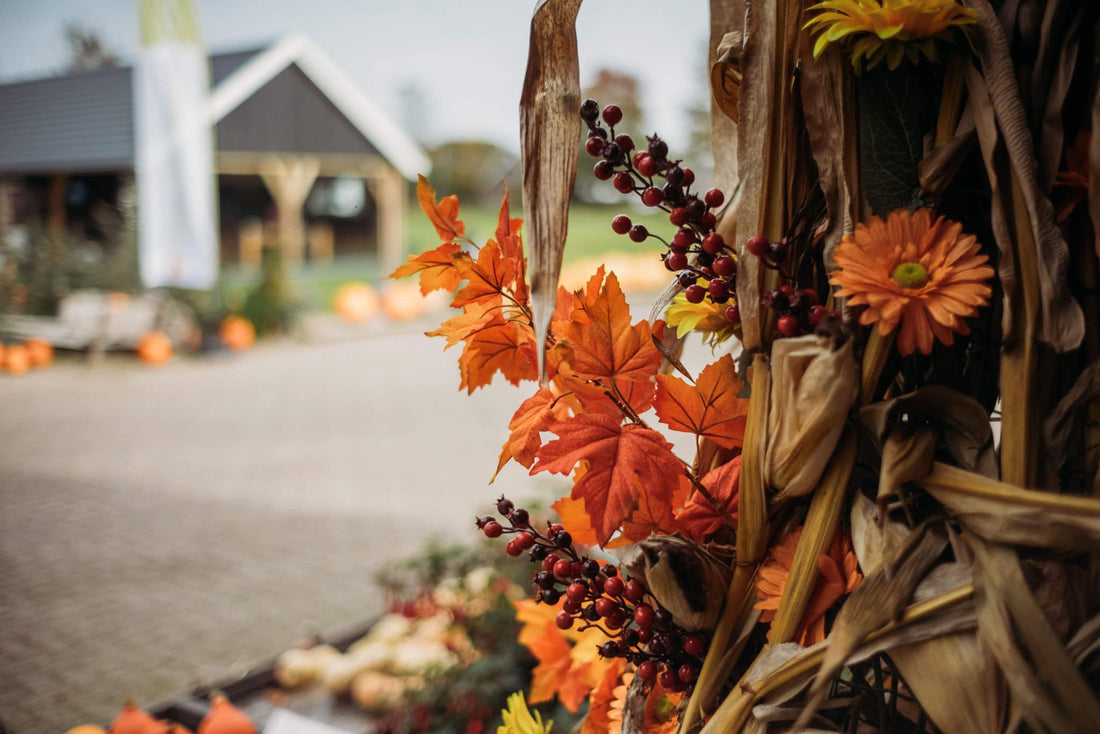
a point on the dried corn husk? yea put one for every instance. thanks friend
(726, 17)
(1006, 514)
(814, 383)
(550, 126)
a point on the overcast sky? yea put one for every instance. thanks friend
(467, 56)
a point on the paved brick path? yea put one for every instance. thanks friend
(159, 528)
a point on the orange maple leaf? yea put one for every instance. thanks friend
(459, 328)
(710, 408)
(574, 518)
(500, 346)
(444, 215)
(606, 346)
(488, 278)
(533, 416)
(438, 268)
(652, 516)
(700, 518)
(616, 455)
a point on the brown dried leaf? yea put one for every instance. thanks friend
(725, 75)
(814, 383)
(1059, 427)
(550, 126)
(1007, 514)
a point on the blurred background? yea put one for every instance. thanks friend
(218, 422)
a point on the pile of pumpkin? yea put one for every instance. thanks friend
(236, 333)
(222, 718)
(19, 359)
(358, 303)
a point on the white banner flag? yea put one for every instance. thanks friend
(177, 234)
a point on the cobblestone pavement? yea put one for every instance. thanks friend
(162, 527)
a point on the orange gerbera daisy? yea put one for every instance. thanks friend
(838, 574)
(889, 29)
(928, 276)
(660, 709)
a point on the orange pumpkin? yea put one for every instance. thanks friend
(132, 720)
(17, 359)
(155, 348)
(237, 333)
(225, 718)
(87, 729)
(403, 302)
(40, 351)
(356, 302)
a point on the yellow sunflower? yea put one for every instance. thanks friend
(518, 719)
(928, 276)
(889, 29)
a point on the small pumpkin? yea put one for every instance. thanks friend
(155, 348)
(403, 302)
(132, 720)
(87, 729)
(17, 360)
(237, 333)
(356, 302)
(40, 351)
(225, 718)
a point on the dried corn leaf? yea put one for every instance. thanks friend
(1094, 168)
(1066, 420)
(726, 16)
(725, 75)
(814, 383)
(960, 420)
(907, 454)
(1062, 321)
(1046, 684)
(876, 602)
(550, 126)
(1006, 514)
(822, 521)
(829, 109)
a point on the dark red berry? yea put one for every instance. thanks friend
(662, 618)
(675, 176)
(612, 114)
(678, 216)
(616, 620)
(505, 506)
(687, 278)
(613, 586)
(634, 591)
(816, 314)
(590, 567)
(564, 620)
(810, 295)
(590, 110)
(695, 293)
(714, 198)
(609, 650)
(538, 553)
(524, 540)
(573, 607)
(625, 143)
(637, 157)
(624, 182)
(594, 146)
(668, 680)
(629, 637)
(787, 325)
(683, 239)
(658, 148)
(776, 299)
(689, 177)
(695, 208)
(676, 261)
(520, 518)
(647, 670)
(492, 529)
(597, 585)
(512, 549)
(687, 672)
(694, 645)
(757, 245)
(550, 596)
(562, 568)
(724, 266)
(709, 220)
(733, 313)
(646, 166)
(604, 170)
(590, 613)
(563, 539)
(713, 243)
(777, 252)
(643, 616)
(638, 233)
(644, 636)
(548, 563)
(575, 569)
(577, 592)
(612, 152)
(717, 288)
(605, 606)
(652, 196)
(620, 224)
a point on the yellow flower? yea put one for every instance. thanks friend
(890, 29)
(707, 318)
(519, 720)
(926, 276)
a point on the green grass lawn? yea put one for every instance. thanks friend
(590, 236)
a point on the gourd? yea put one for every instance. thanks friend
(237, 333)
(155, 348)
(225, 718)
(302, 667)
(87, 729)
(40, 352)
(356, 302)
(403, 302)
(17, 360)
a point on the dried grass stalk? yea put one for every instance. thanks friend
(814, 383)
(550, 126)
(1006, 514)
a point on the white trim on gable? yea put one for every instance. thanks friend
(392, 142)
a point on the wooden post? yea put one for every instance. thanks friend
(389, 198)
(289, 179)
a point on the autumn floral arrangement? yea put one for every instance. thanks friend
(891, 519)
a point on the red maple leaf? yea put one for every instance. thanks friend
(500, 346)
(700, 517)
(710, 408)
(617, 455)
(488, 278)
(534, 415)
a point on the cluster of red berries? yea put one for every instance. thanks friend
(593, 594)
(695, 251)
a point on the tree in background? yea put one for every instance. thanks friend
(87, 51)
(473, 169)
